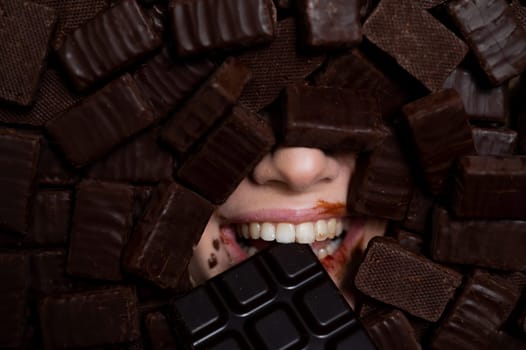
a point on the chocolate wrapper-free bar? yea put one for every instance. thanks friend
(391, 330)
(494, 142)
(160, 332)
(50, 217)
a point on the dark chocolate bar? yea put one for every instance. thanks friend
(113, 40)
(202, 26)
(281, 298)
(48, 273)
(227, 155)
(391, 330)
(418, 211)
(410, 241)
(506, 341)
(50, 217)
(494, 142)
(399, 277)
(159, 331)
(53, 169)
(98, 123)
(214, 99)
(141, 198)
(89, 318)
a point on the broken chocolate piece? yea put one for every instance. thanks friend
(494, 142)
(391, 330)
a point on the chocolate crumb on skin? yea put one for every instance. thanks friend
(216, 244)
(212, 261)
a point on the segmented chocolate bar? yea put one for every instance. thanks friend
(391, 330)
(50, 217)
(100, 122)
(494, 142)
(201, 26)
(110, 42)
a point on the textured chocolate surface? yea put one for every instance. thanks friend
(159, 331)
(410, 241)
(399, 277)
(50, 217)
(494, 36)
(214, 99)
(391, 330)
(53, 169)
(48, 273)
(227, 155)
(201, 26)
(418, 211)
(100, 122)
(494, 142)
(108, 316)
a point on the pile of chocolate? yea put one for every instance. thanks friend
(124, 123)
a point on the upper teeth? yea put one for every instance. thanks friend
(285, 232)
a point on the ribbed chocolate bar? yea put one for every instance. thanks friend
(102, 224)
(113, 40)
(141, 198)
(406, 280)
(227, 155)
(439, 144)
(496, 244)
(159, 331)
(484, 304)
(494, 36)
(391, 330)
(410, 241)
(53, 169)
(48, 273)
(494, 142)
(490, 187)
(50, 217)
(405, 30)
(98, 123)
(161, 247)
(202, 26)
(506, 341)
(89, 318)
(214, 99)
(25, 32)
(18, 161)
(418, 212)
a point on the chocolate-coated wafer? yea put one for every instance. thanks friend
(50, 217)
(53, 169)
(418, 211)
(494, 142)
(410, 241)
(48, 273)
(391, 330)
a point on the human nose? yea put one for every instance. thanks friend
(297, 168)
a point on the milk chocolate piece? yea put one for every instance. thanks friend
(418, 211)
(25, 31)
(276, 66)
(330, 24)
(213, 100)
(19, 164)
(14, 274)
(438, 143)
(494, 142)
(161, 247)
(227, 155)
(203, 26)
(50, 217)
(391, 330)
(159, 331)
(89, 318)
(406, 280)
(493, 34)
(479, 311)
(490, 187)
(496, 244)
(404, 30)
(48, 273)
(98, 123)
(53, 169)
(102, 223)
(110, 42)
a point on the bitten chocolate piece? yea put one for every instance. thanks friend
(202, 26)
(213, 100)
(110, 42)
(50, 217)
(406, 280)
(25, 32)
(391, 330)
(441, 134)
(160, 332)
(228, 154)
(494, 142)
(98, 123)
(18, 161)
(490, 187)
(48, 273)
(494, 36)
(14, 274)
(330, 24)
(497, 244)
(405, 30)
(89, 318)
(418, 211)
(162, 245)
(382, 183)
(484, 304)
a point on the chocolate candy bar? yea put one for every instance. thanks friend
(100, 122)
(53, 169)
(333, 24)
(213, 100)
(438, 144)
(141, 198)
(494, 244)
(418, 211)
(202, 26)
(506, 341)
(161, 247)
(102, 223)
(484, 304)
(494, 142)
(19, 165)
(159, 331)
(490, 187)
(406, 280)
(404, 30)
(409, 240)
(25, 31)
(227, 155)
(391, 330)
(50, 217)
(494, 36)
(48, 273)
(89, 318)
(280, 298)
(110, 42)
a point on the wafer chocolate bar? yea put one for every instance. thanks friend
(391, 330)
(494, 142)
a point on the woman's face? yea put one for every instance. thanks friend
(293, 195)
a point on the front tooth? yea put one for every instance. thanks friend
(255, 230)
(305, 233)
(339, 228)
(268, 231)
(244, 231)
(321, 230)
(285, 233)
(331, 226)
(321, 253)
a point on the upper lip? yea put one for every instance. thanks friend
(294, 216)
